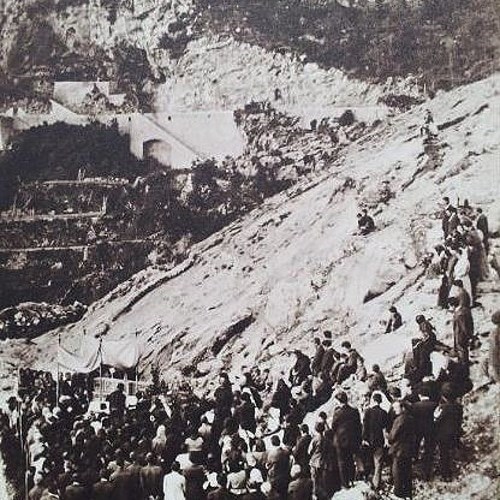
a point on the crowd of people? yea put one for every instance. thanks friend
(326, 424)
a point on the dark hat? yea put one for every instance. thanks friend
(420, 318)
(392, 309)
(327, 334)
(341, 396)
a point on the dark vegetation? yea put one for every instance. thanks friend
(58, 151)
(176, 38)
(442, 42)
(154, 207)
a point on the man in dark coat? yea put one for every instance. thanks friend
(376, 380)
(352, 362)
(223, 400)
(423, 348)
(221, 493)
(482, 225)
(117, 400)
(195, 477)
(328, 359)
(151, 478)
(423, 414)
(121, 482)
(318, 357)
(246, 413)
(455, 377)
(445, 216)
(375, 423)
(402, 443)
(300, 450)
(317, 462)
(365, 223)
(134, 472)
(278, 466)
(301, 369)
(463, 329)
(346, 428)
(448, 421)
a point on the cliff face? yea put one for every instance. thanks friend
(162, 51)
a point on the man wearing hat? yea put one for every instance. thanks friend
(347, 432)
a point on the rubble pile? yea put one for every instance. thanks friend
(276, 140)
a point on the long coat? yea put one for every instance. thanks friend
(402, 436)
(494, 354)
(375, 421)
(346, 428)
(463, 327)
(448, 421)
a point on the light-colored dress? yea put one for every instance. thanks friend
(174, 486)
(461, 272)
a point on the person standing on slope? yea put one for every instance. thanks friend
(402, 443)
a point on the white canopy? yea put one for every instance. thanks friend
(120, 354)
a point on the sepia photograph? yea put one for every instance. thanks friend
(249, 249)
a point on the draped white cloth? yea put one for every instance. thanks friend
(120, 354)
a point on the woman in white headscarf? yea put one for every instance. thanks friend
(159, 442)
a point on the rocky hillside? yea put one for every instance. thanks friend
(262, 286)
(295, 264)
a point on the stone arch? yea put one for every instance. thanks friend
(159, 150)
